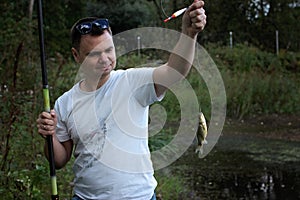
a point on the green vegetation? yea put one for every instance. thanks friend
(169, 187)
(257, 81)
(267, 85)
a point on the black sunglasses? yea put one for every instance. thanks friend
(87, 27)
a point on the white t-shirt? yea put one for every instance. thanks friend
(109, 128)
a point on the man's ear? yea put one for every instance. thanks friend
(75, 54)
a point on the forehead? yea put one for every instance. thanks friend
(95, 42)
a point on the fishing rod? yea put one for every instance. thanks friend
(54, 194)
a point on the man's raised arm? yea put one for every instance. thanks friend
(181, 59)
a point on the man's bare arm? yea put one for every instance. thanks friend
(181, 59)
(46, 124)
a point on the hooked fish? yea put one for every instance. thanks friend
(201, 134)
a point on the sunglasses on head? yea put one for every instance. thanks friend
(88, 27)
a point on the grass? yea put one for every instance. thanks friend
(169, 187)
(256, 82)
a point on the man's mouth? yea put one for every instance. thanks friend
(104, 67)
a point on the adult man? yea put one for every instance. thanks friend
(105, 115)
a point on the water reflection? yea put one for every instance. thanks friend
(269, 185)
(234, 175)
(243, 187)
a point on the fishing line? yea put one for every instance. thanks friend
(174, 15)
(162, 7)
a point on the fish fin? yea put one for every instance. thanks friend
(199, 150)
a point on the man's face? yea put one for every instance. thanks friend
(96, 55)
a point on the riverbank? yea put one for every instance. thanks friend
(275, 126)
(255, 158)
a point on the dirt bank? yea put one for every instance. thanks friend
(255, 158)
(284, 127)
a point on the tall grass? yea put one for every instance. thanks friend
(256, 83)
(258, 93)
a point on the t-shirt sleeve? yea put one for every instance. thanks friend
(142, 84)
(61, 128)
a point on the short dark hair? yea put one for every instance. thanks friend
(75, 34)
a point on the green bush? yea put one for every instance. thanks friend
(256, 83)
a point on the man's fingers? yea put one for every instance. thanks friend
(46, 118)
(46, 127)
(45, 115)
(46, 123)
(198, 18)
(196, 4)
(52, 113)
(45, 130)
(197, 12)
(197, 15)
(201, 18)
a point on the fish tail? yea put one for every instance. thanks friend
(199, 150)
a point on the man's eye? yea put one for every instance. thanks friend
(93, 54)
(109, 50)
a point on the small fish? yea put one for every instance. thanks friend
(201, 134)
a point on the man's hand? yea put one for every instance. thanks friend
(194, 19)
(182, 56)
(46, 123)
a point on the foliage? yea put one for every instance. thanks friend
(254, 22)
(123, 15)
(132, 59)
(257, 82)
(248, 91)
(169, 187)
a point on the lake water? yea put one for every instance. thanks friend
(242, 166)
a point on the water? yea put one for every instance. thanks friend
(232, 175)
(243, 167)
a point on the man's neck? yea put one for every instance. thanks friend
(89, 85)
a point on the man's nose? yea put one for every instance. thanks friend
(103, 57)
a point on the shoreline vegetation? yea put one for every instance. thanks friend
(257, 83)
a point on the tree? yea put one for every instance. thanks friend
(123, 15)
(225, 16)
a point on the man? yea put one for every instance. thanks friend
(104, 117)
